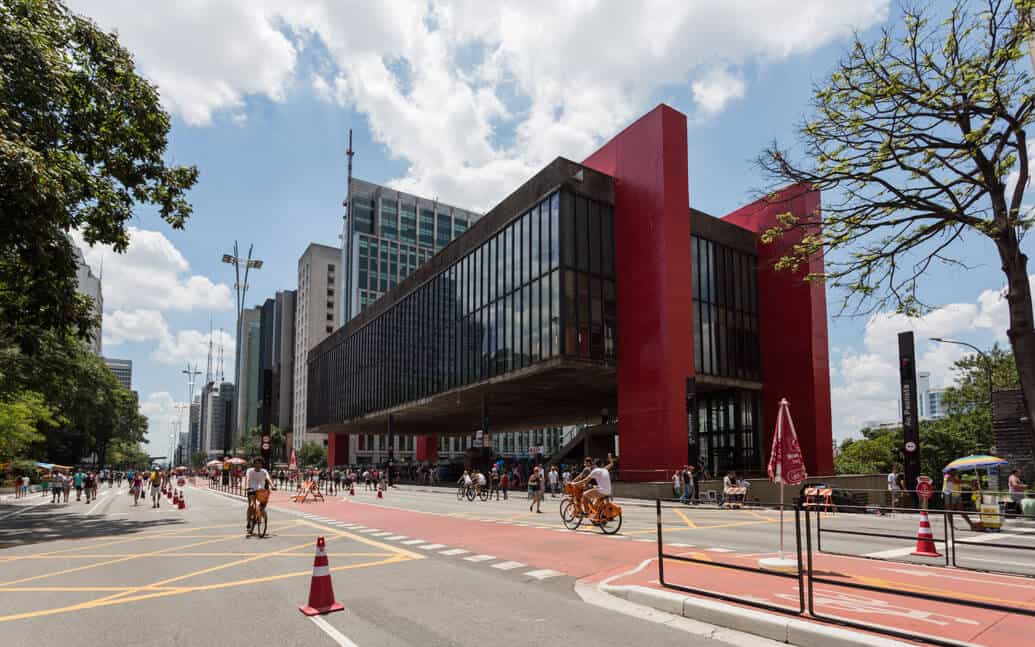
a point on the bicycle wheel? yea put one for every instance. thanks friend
(470, 494)
(611, 524)
(483, 494)
(570, 516)
(263, 520)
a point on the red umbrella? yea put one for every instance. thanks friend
(786, 464)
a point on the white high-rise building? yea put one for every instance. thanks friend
(90, 285)
(316, 317)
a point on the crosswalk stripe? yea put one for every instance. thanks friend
(543, 574)
(480, 558)
(414, 542)
(454, 551)
(433, 546)
(396, 537)
(368, 531)
(380, 534)
(507, 566)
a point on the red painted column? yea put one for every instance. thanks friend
(792, 330)
(655, 309)
(337, 449)
(427, 448)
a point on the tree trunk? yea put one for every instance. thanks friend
(1022, 322)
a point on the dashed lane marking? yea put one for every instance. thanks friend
(396, 537)
(508, 566)
(543, 574)
(413, 542)
(433, 546)
(454, 551)
(370, 531)
(380, 534)
(480, 558)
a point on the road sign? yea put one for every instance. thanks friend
(265, 440)
(265, 447)
(924, 490)
(181, 481)
(910, 446)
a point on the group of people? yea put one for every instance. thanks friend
(499, 481)
(59, 485)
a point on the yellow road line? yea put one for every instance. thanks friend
(109, 562)
(77, 589)
(685, 518)
(111, 600)
(223, 554)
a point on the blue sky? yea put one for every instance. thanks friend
(463, 101)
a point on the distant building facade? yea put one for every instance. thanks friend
(123, 370)
(248, 394)
(90, 285)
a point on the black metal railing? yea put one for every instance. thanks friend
(807, 577)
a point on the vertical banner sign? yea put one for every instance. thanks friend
(267, 413)
(910, 414)
(691, 421)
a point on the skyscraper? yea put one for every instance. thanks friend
(248, 394)
(123, 370)
(90, 285)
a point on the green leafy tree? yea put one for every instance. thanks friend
(874, 454)
(125, 454)
(312, 455)
(919, 143)
(253, 442)
(23, 418)
(198, 459)
(82, 140)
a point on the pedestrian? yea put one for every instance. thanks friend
(57, 487)
(89, 483)
(677, 483)
(687, 482)
(66, 486)
(894, 487)
(504, 484)
(554, 479)
(536, 484)
(1017, 487)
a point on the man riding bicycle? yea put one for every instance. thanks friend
(257, 479)
(599, 474)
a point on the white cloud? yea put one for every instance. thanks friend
(717, 88)
(153, 274)
(174, 348)
(473, 95)
(866, 381)
(162, 416)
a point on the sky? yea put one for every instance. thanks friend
(462, 101)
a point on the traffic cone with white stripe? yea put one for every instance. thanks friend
(181, 504)
(321, 591)
(925, 538)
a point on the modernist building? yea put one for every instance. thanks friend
(248, 394)
(594, 290)
(123, 370)
(277, 356)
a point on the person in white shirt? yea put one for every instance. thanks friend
(552, 477)
(256, 478)
(894, 486)
(600, 475)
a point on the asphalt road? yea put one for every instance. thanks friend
(121, 574)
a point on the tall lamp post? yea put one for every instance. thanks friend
(984, 356)
(248, 263)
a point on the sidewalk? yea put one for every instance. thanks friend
(949, 622)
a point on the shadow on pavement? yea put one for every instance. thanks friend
(52, 522)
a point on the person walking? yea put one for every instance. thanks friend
(66, 486)
(155, 481)
(894, 487)
(1017, 487)
(687, 481)
(504, 484)
(536, 484)
(554, 479)
(57, 487)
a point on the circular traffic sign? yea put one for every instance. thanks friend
(924, 490)
(910, 446)
(265, 446)
(265, 440)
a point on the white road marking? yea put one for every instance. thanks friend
(395, 537)
(480, 558)
(358, 527)
(682, 545)
(892, 552)
(90, 511)
(649, 541)
(380, 534)
(368, 531)
(718, 550)
(414, 542)
(543, 574)
(18, 512)
(454, 551)
(433, 547)
(508, 566)
(334, 634)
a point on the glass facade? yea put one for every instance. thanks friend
(725, 293)
(728, 431)
(499, 308)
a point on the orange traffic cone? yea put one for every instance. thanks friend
(380, 492)
(321, 591)
(925, 538)
(352, 490)
(176, 498)
(181, 504)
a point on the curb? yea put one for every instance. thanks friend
(786, 630)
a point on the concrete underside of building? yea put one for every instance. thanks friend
(532, 322)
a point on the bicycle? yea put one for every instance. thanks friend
(257, 516)
(604, 514)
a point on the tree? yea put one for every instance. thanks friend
(22, 416)
(198, 459)
(125, 454)
(312, 455)
(253, 442)
(82, 137)
(913, 142)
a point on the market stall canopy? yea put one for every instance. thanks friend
(976, 461)
(214, 463)
(51, 466)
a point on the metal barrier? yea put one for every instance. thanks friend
(662, 556)
(807, 578)
(954, 543)
(834, 531)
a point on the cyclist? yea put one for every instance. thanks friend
(479, 482)
(602, 477)
(465, 482)
(257, 479)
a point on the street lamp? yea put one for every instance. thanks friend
(984, 356)
(248, 263)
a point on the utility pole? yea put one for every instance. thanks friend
(242, 291)
(349, 230)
